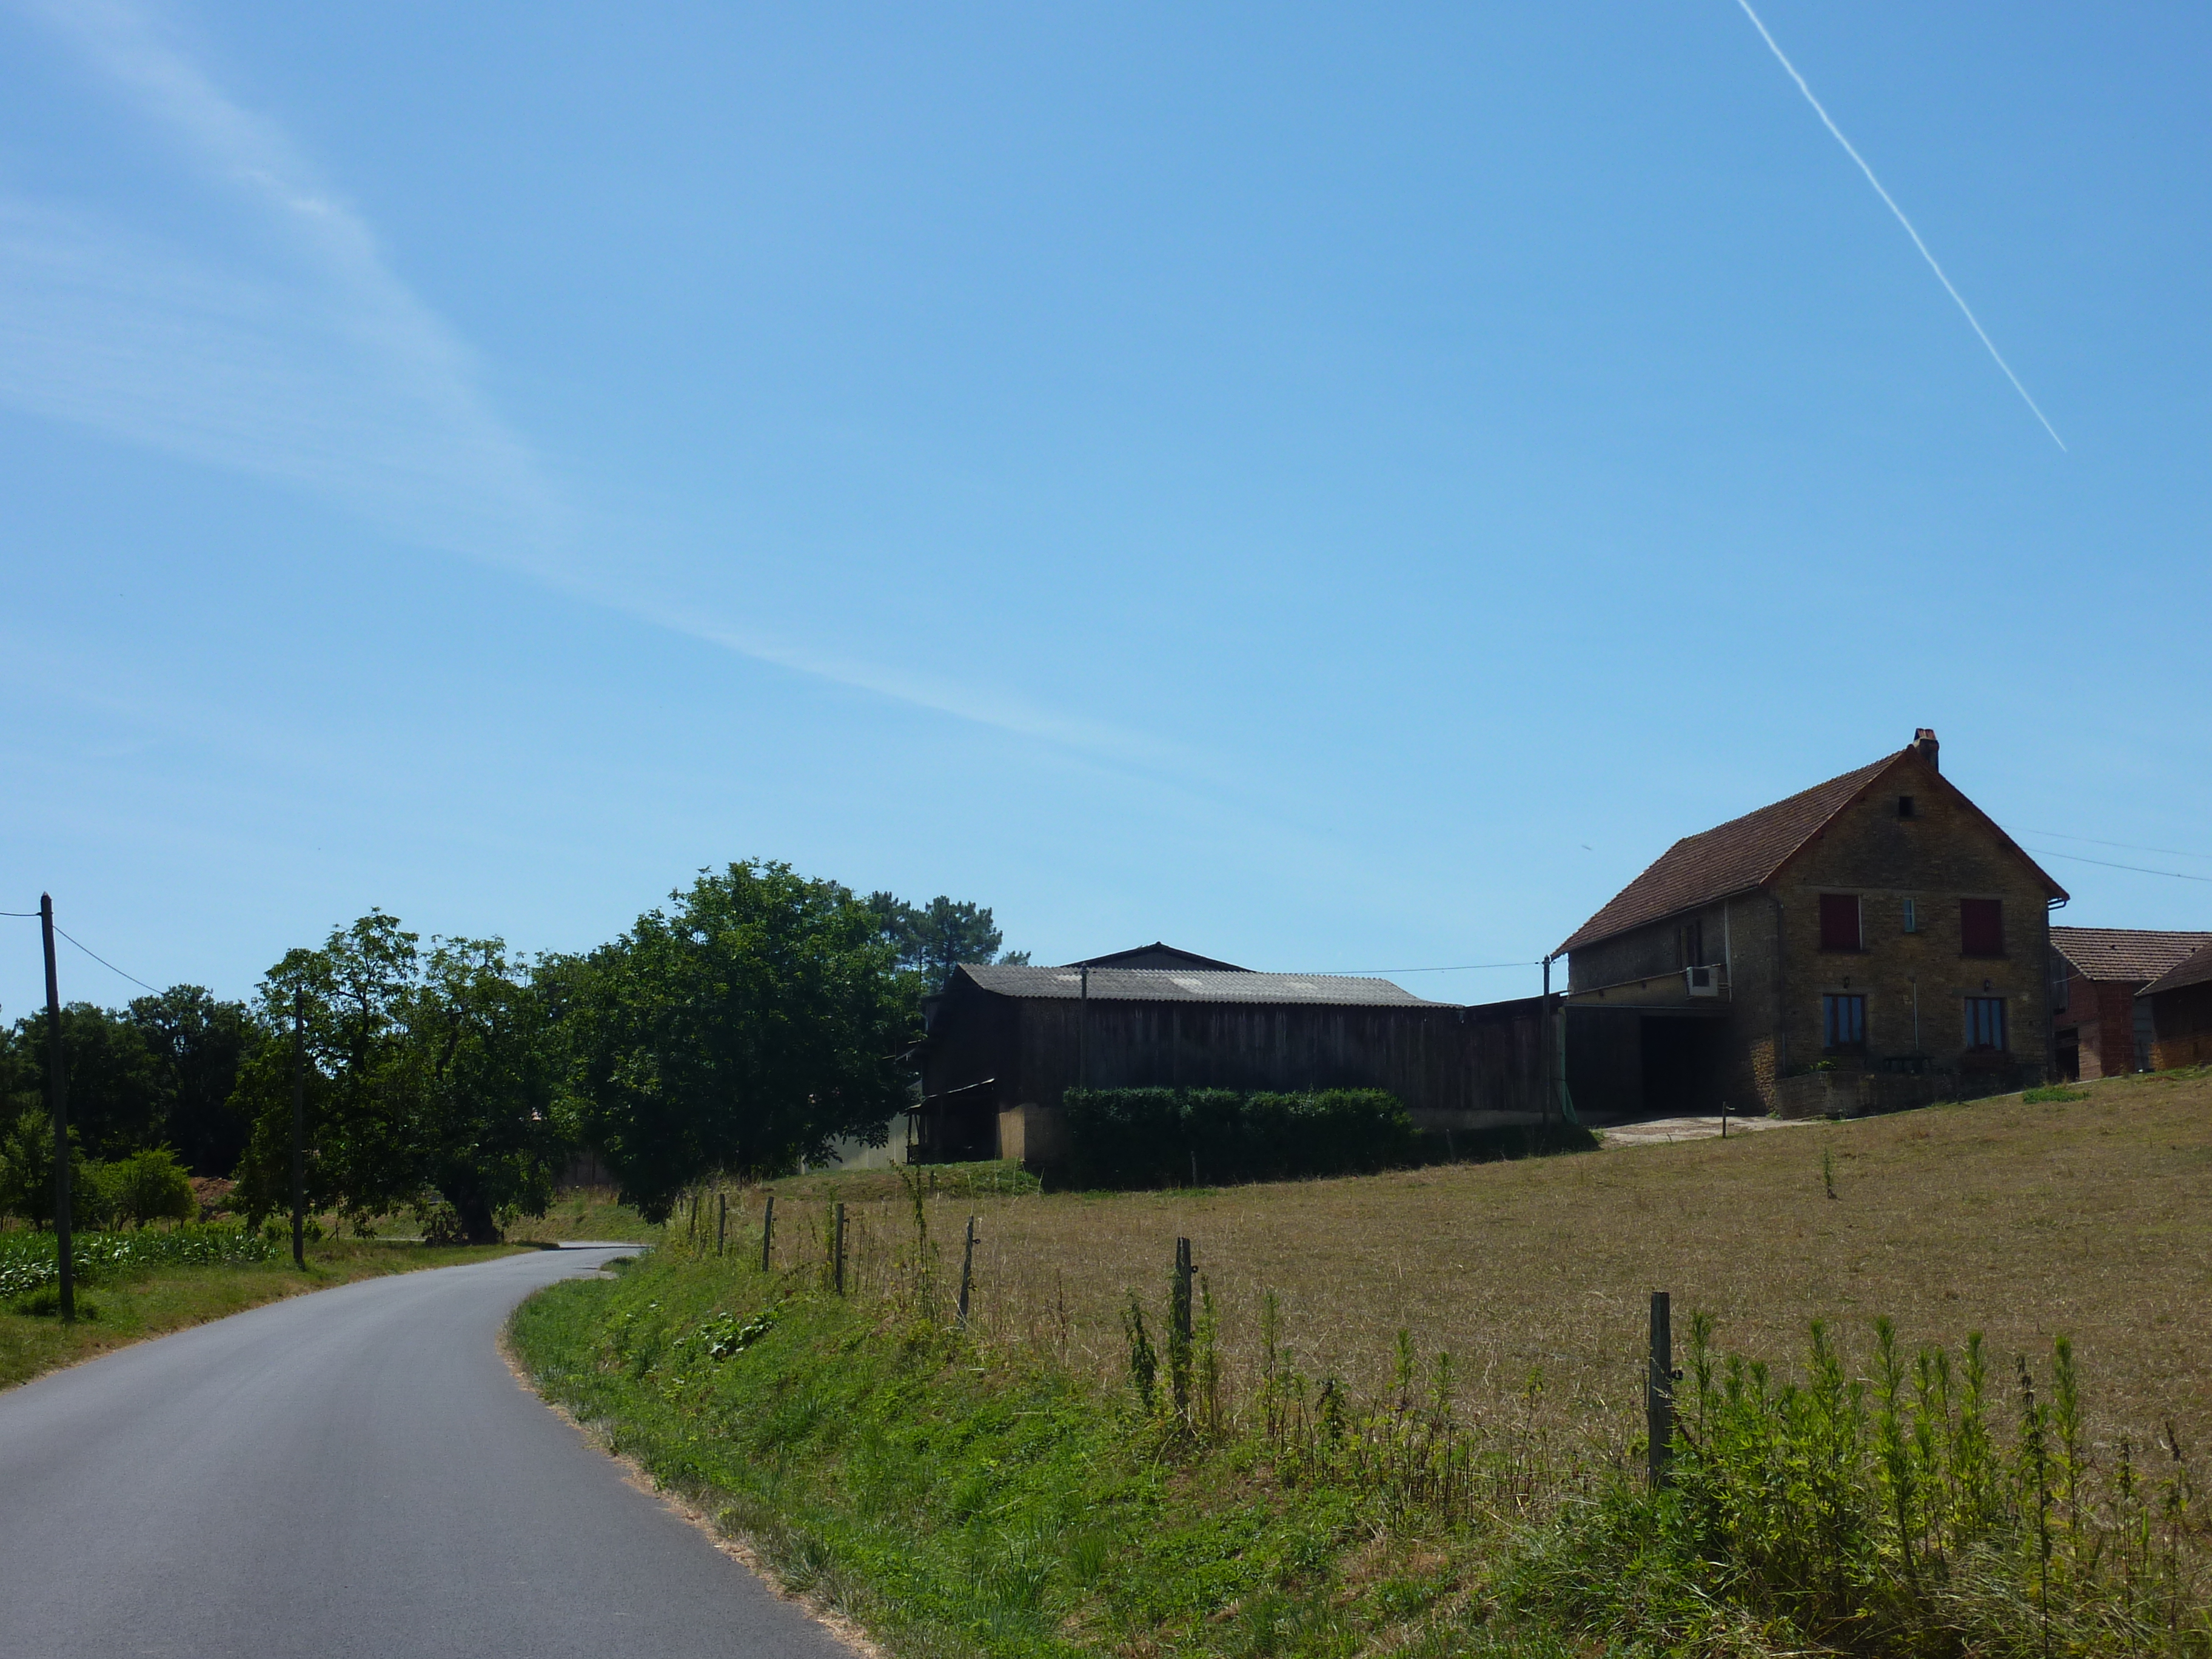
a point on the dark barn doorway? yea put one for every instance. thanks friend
(1682, 1065)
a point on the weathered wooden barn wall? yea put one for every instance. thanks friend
(1444, 1062)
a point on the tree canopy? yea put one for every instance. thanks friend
(431, 1077)
(759, 1018)
(933, 939)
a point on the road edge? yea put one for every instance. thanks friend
(737, 1546)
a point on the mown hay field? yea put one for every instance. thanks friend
(2092, 1217)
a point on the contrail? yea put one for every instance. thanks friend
(1967, 310)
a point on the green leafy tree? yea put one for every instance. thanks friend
(430, 1077)
(361, 1159)
(27, 1171)
(117, 1103)
(196, 1042)
(759, 1019)
(481, 1042)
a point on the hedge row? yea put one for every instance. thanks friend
(1169, 1137)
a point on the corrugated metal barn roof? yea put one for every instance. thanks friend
(1194, 985)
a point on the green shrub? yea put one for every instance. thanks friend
(46, 1303)
(147, 1186)
(1124, 1138)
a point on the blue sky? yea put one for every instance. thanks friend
(1333, 488)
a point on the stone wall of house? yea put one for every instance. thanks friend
(2181, 1028)
(1741, 1067)
(1916, 983)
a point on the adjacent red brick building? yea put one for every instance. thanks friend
(2179, 1002)
(1873, 941)
(2099, 1027)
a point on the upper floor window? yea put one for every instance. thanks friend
(1690, 940)
(1843, 1022)
(1911, 917)
(1839, 921)
(2061, 971)
(1985, 1022)
(1904, 807)
(1981, 927)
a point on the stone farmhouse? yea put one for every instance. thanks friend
(2101, 1029)
(1873, 942)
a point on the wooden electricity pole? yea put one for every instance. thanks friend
(300, 1129)
(58, 1101)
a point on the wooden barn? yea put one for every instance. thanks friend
(1005, 1043)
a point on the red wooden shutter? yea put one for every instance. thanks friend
(1981, 926)
(1839, 921)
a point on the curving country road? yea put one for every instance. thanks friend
(351, 1473)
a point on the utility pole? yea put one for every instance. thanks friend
(1083, 1028)
(1550, 1087)
(300, 1129)
(58, 1101)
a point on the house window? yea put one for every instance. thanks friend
(1904, 807)
(1911, 917)
(1985, 1022)
(1690, 939)
(1839, 921)
(1981, 927)
(2061, 971)
(1842, 1019)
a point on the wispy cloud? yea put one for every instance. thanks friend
(312, 362)
(1890, 202)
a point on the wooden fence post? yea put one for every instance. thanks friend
(1659, 1392)
(1181, 1311)
(967, 1269)
(839, 1271)
(768, 1233)
(1179, 1324)
(721, 1219)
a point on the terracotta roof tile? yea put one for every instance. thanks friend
(2195, 970)
(2124, 955)
(1734, 857)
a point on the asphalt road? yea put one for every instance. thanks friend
(353, 1473)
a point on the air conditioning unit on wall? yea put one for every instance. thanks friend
(1703, 982)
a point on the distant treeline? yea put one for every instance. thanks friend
(757, 1019)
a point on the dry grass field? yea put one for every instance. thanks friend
(2091, 1218)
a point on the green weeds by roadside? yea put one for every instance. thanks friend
(956, 1495)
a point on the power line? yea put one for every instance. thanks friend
(33, 914)
(2178, 875)
(1456, 968)
(2171, 852)
(106, 963)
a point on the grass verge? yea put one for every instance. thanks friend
(131, 1308)
(1310, 1479)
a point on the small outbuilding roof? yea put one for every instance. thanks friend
(1158, 954)
(2195, 970)
(2127, 956)
(1191, 985)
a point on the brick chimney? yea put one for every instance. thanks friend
(1925, 746)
